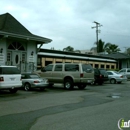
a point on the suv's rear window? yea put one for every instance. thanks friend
(87, 67)
(9, 70)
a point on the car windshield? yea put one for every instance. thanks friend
(103, 71)
(116, 72)
(33, 76)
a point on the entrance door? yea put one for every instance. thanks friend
(16, 58)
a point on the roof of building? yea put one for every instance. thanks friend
(73, 55)
(9, 26)
(117, 56)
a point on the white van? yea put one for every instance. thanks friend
(10, 78)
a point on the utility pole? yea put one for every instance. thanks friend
(97, 31)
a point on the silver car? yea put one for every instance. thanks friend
(115, 77)
(32, 80)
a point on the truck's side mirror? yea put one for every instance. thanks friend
(43, 69)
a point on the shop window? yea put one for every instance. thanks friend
(48, 62)
(96, 65)
(102, 66)
(107, 66)
(58, 62)
(112, 67)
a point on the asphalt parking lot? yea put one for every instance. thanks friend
(96, 107)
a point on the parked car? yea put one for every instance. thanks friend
(69, 74)
(33, 80)
(115, 77)
(100, 76)
(10, 78)
(125, 71)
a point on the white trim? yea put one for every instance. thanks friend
(42, 39)
(78, 57)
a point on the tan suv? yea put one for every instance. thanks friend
(69, 74)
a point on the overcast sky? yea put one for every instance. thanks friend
(69, 22)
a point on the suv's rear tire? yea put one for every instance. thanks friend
(68, 84)
(82, 86)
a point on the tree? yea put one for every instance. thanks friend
(101, 46)
(110, 48)
(71, 49)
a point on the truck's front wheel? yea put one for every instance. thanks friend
(68, 84)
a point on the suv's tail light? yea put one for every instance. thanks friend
(81, 75)
(36, 81)
(1, 79)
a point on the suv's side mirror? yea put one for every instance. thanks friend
(43, 69)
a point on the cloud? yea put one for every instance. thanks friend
(69, 22)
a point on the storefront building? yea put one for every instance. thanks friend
(18, 46)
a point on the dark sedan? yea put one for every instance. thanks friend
(100, 76)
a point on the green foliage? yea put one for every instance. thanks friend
(112, 48)
(100, 47)
(108, 47)
(71, 49)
